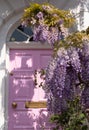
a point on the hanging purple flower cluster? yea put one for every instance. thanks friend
(84, 56)
(55, 80)
(48, 33)
(51, 35)
(62, 77)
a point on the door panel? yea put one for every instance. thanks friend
(23, 64)
(44, 59)
(22, 85)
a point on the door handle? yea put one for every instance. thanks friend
(14, 105)
(11, 73)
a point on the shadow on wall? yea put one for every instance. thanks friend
(2, 55)
(64, 4)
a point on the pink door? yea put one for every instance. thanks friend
(27, 109)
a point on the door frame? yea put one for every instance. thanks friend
(18, 45)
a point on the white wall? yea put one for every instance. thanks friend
(86, 20)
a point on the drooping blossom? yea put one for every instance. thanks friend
(62, 78)
(49, 34)
(39, 15)
(84, 56)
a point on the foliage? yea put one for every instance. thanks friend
(50, 15)
(75, 39)
(73, 118)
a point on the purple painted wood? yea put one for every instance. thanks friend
(23, 64)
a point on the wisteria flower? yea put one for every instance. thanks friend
(40, 15)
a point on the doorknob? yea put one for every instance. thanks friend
(11, 73)
(14, 105)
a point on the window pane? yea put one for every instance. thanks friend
(22, 33)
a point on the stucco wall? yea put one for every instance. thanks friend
(10, 14)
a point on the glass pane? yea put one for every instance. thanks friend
(22, 33)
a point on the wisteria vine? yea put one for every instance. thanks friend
(61, 77)
(69, 69)
(48, 22)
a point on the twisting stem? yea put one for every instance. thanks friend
(80, 78)
(82, 81)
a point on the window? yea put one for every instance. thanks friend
(22, 33)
